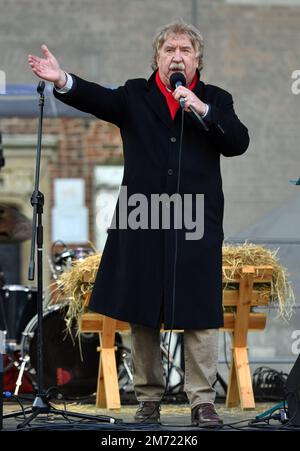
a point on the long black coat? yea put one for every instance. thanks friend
(135, 277)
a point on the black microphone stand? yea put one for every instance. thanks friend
(37, 201)
(41, 401)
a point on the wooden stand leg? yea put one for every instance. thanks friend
(244, 381)
(240, 383)
(108, 395)
(233, 397)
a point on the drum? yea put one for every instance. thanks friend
(81, 253)
(63, 261)
(63, 366)
(18, 304)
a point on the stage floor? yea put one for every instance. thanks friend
(174, 417)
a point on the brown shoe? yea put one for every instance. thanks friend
(205, 415)
(148, 412)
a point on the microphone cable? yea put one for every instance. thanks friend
(175, 249)
(174, 269)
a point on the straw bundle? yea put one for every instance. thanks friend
(76, 284)
(282, 294)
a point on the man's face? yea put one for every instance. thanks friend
(177, 55)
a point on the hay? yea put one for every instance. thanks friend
(74, 285)
(282, 294)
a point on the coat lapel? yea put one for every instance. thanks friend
(157, 102)
(199, 88)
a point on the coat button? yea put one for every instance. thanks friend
(173, 139)
(170, 171)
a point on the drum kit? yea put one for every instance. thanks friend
(67, 365)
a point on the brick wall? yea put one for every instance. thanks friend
(82, 144)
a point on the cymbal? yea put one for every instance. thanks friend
(14, 226)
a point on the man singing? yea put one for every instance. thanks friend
(149, 276)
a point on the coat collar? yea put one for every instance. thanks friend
(157, 101)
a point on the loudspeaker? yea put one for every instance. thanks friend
(293, 394)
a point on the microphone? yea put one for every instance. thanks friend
(41, 87)
(178, 79)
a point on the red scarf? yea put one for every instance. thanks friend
(173, 104)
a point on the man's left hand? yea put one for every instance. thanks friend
(190, 100)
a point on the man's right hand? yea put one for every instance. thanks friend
(47, 68)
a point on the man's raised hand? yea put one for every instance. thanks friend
(47, 67)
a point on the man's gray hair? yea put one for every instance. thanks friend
(179, 27)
